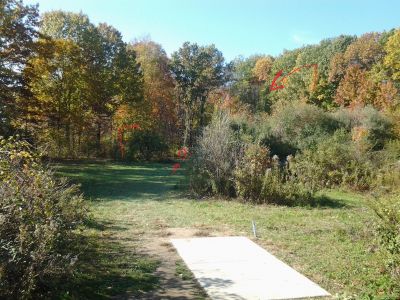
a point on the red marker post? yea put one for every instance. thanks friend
(175, 167)
(182, 154)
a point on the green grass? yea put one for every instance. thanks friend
(332, 243)
(107, 269)
(183, 271)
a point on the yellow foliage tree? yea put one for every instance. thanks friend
(262, 68)
(158, 86)
(392, 58)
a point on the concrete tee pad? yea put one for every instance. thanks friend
(237, 268)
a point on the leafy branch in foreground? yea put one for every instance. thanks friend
(38, 218)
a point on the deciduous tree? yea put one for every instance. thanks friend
(387, 96)
(365, 51)
(18, 30)
(158, 87)
(244, 86)
(355, 88)
(56, 78)
(112, 76)
(392, 58)
(262, 68)
(197, 70)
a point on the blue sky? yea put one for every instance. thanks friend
(236, 27)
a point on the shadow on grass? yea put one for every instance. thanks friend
(324, 201)
(117, 181)
(108, 269)
(101, 226)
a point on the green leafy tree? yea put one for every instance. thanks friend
(309, 84)
(112, 76)
(73, 26)
(285, 62)
(56, 78)
(315, 86)
(197, 70)
(18, 24)
(244, 84)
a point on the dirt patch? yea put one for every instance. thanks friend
(173, 284)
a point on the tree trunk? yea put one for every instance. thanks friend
(68, 138)
(73, 138)
(79, 142)
(202, 110)
(58, 138)
(187, 132)
(98, 138)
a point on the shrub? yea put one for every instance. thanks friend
(37, 217)
(244, 128)
(267, 138)
(260, 179)
(215, 157)
(388, 167)
(374, 125)
(250, 172)
(395, 118)
(392, 150)
(387, 209)
(146, 145)
(294, 123)
(334, 162)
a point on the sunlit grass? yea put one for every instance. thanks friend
(332, 243)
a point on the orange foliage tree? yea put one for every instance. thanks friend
(355, 88)
(158, 86)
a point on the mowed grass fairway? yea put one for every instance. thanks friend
(132, 204)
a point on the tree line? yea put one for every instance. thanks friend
(67, 84)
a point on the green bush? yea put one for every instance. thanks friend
(378, 128)
(335, 161)
(250, 172)
(300, 125)
(38, 215)
(215, 157)
(267, 138)
(146, 145)
(392, 150)
(387, 208)
(282, 187)
(261, 179)
(244, 129)
(387, 163)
